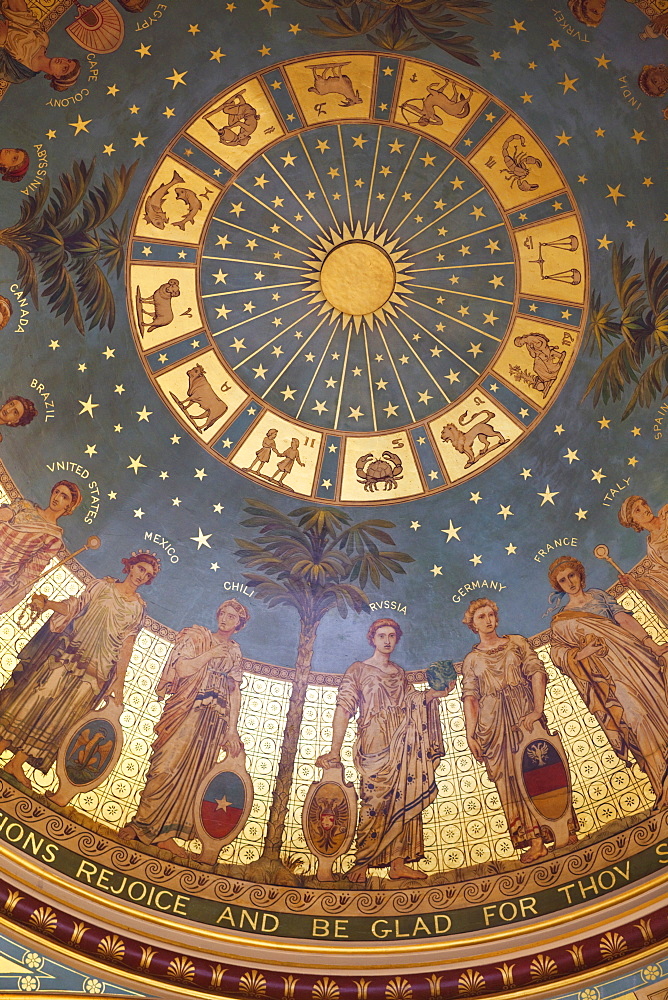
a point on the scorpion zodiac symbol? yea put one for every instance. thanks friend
(518, 164)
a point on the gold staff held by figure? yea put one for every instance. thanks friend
(30, 614)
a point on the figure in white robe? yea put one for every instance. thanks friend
(618, 670)
(636, 513)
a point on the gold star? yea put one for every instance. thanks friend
(80, 125)
(630, 224)
(113, 90)
(647, 181)
(143, 50)
(139, 139)
(563, 138)
(436, 570)
(176, 78)
(598, 475)
(532, 64)
(636, 432)
(548, 496)
(457, 185)
(517, 26)
(359, 140)
(567, 82)
(615, 193)
(193, 29)
(581, 514)
(495, 55)
(109, 149)
(526, 98)
(554, 44)
(396, 146)
(87, 406)
(604, 242)
(388, 71)
(136, 464)
(264, 51)
(294, 29)
(601, 61)
(633, 461)
(506, 512)
(604, 423)
(638, 137)
(269, 6)
(288, 393)
(355, 413)
(51, 134)
(582, 179)
(133, 109)
(216, 54)
(452, 532)
(599, 132)
(288, 160)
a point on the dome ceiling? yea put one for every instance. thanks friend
(333, 561)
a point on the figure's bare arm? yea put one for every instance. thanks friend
(233, 742)
(339, 726)
(629, 624)
(19, 5)
(471, 709)
(116, 688)
(538, 689)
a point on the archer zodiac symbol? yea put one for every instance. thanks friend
(464, 440)
(328, 79)
(242, 120)
(518, 164)
(378, 471)
(455, 103)
(570, 276)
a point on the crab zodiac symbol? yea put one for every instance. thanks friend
(518, 164)
(388, 472)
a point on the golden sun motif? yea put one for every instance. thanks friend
(358, 276)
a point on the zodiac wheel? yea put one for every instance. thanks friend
(357, 279)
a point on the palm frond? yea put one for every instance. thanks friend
(652, 383)
(616, 371)
(69, 194)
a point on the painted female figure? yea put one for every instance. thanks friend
(398, 748)
(615, 665)
(23, 46)
(202, 683)
(30, 537)
(79, 656)
(636, 513)
(504, 695)
(14, 164)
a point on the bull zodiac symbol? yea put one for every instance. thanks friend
(518, 164)
(201, 394)
(463, 441)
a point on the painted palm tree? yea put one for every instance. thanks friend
(403, 25)
(62, 247)
(631, 338)
(314, 560)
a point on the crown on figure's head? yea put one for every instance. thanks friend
(152, 557)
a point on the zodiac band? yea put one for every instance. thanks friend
(63, 700)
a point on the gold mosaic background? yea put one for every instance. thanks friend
(465, 825)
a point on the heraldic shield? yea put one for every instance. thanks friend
(222, 805)
(89, 752)
(542, 772)
(329, 819)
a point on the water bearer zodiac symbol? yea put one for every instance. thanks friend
(242, 120)
(201, 394)
(328, 79)
(518, 164)
(463, 441)
(453, 100)
(570, 276)
(378, 471)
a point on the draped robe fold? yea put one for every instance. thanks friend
(624, 687)
(27, 544)
(398, 748)
(190, 734)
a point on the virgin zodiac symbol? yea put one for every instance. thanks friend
(518, 164)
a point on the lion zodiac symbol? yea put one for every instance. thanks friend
(463, 441)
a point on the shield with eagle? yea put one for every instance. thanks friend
(222, 805)
(329, 819)
(89, 752)
(545, 776)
